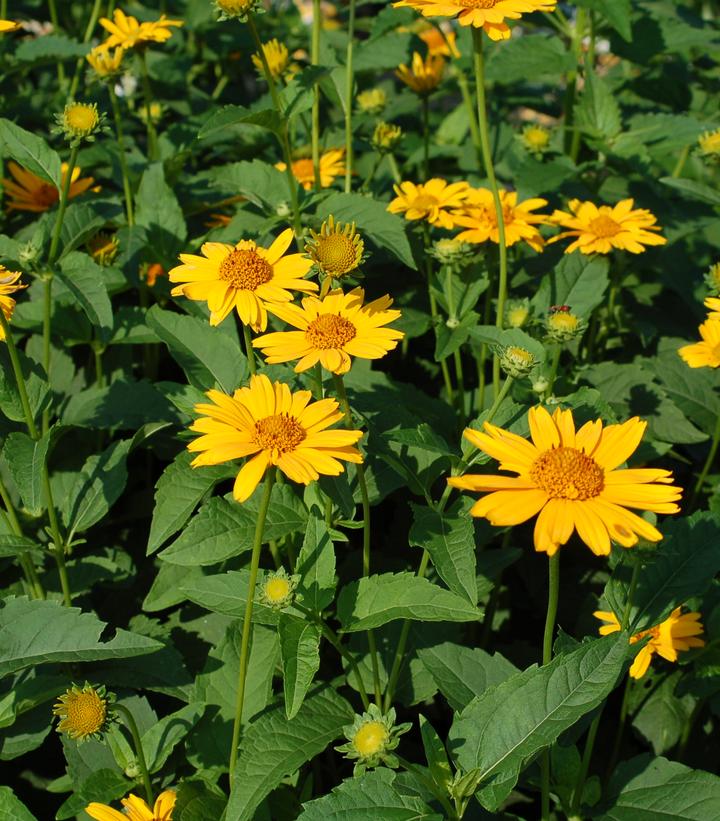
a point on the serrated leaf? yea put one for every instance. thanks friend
(196, 802)
(30, 151)
(578, 281)
(36, 632)
(232, 115)
(539, 55)
(12, 545)
(617, 12)
(26, 458)
(423, 437)
(316, 565)
(376, 600)
(226, 593)
(11, 808)
(161, 739)
(694, 190)
(598, 111)
(37, 387)
(262, 183)
(300, 656)
(84, 279)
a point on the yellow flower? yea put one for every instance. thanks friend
(516, 361)
(517, 312)
(385, 137)
(478, 216)
(440, 43)
(128, 32)
(571, 480)
(429, 201)
(487, 14)
(371, 739)
(277, 56)
(6, 26)
(337, 249)
(331, 331)
(535, 138)
(424, 76)
(239, 9)
(106, 63)
(103, 248)
(27, 192)
(276, 427)
(712, 303)
(600, 229)
(79, 120)
(709, 143)
(8, 285)
(278, 590)
(83, 712)
(678, 632)
(135, 809)
(332, 164)
(372, 101)
(562, 325)
(704, 354)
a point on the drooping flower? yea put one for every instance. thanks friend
(8, 285)
(276, 427)
(332, 165)
(423, 76)
(28, 192)
(128, 32)
(479, 218)
(371, 738)
(599, 229)
(244, 277)
(571, 481)
(331, 331)
(709, 144)
(429, 201)
(489, 15)
(678, 633)
(277, 56)
(106, 63)
(706, 353)
(337, 249)
(83, 712)
(135, 809)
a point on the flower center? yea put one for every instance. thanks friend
(563, 321)
(371, 738)
(245, 270)
(85, 713)
(280, 433)
(304, 169)
(336, 253)
(46, 194)
(330, 331)
(478, 4)
(604, 226)
(81, 118)
(277, 589)
(567, 473)
(425, 202)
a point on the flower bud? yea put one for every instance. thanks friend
(515, 361)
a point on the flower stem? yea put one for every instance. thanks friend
(92, 22)
(490, 170)
(139, 752)
(470, 106)
(315, 60)
(247, 621)
(147, 93)
(708, 464)
(507, 384)
(553, 594)
(349, 84)
(26, 560)
(121, 155)
(426, 136)
(55, 20)
(585, 764)
(249, 350)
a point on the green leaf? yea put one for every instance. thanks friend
(12, 545)
(11, 808)
(37, 387)
(196, 802)
(450, 540)
(662, 716)
(261, 183)
(159, 212)
(102, 785)
(26, 458)
(423, 437)
(274, 747)
(316, 565)
(371, 796)
(226, 593)
(375, 600)
(578, 281)
(617, 12)
(648, 789)
(462, 673)
(219, 123)
(35, 632)
(693, 190)
(501, 730)
(436, 755)
(539, 55)
(162, 738)
(223, 528)
(84, 279)
(30, 151)
(300, 656)
(49, 48)
(598, 110)
(208, 357)
(83, 220)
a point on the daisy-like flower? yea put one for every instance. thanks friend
(597, 230)
(478, 216)
(709, 144)
(562, 325)
(337, 249)
(571, 481)
(238, 9)
(278, 589)
(8, 285)
(276, 427)
(536, 139)
(135, 809)
(331, 331)
(371, 738)
(429, 201)
(332, 165)
(6, 26)
(489, 15)
(277, 56)
(244, 277)
(83, 712)
(385, 137)
(423, 76)
(679, 632)
(78, 122)
(106, 63)
(436, 43)
(128, 32)
(706, 353)
(27, 192)
(372, 101)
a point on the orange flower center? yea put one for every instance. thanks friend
(567, 473)
(336, 253)
(330, 331)
(46, 194)
(279, 432)
(604, 226)
(245, 270)
(425, 202)
(86, 713)
(478, 4)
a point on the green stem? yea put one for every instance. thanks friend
(92, 22)
(139, 752)
(507, 384)
(469, 104)
(426, 136)
(315, 60)
(65, 190)
(708, 464)
(553, 369)
(26, 561)
(249, 350)
(490, 169)
(682, 159)
(434, 313)
(349, 84)
(553, 594)
(19, 377)
(148, 95)
(247, 621)
(394, 170)
(55, 20)
(129, 210)
(625, 622)
(585, 764)
(620, 728)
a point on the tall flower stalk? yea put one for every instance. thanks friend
(349, 85)
(550, 617)
(127, 189)
(315, 60)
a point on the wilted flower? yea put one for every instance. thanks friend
(423, 76)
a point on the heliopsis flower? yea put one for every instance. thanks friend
(8, 285)
(337, 249)
(438, 42)
(515, 361)
(332, 164)
(238, 9)
(712, 303)
(453, 252)
(679, 632)
(479, 217)
(600, 229)
(277, 56)
(106, 63)
(78, 122)
(487, 14)
(709, 144)
(103, 247)
(83, 712)
(423, 76)
(372, 101)
(517, 312)
(128, 32)
(152, 273)
(571, 481)
(706, 353)
(562, 325)
(135, 809)
(6, 26)
(371, 738)
(276, 427)
(28, 192)
(244, 277)
(331, 331)
(429, 201)
(536, 139)
(385, 137)
(278, 589)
